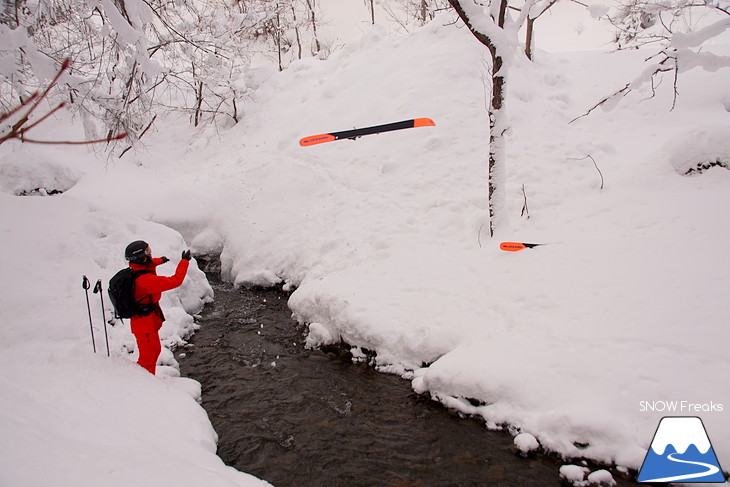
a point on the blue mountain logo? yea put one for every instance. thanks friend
(681, 452)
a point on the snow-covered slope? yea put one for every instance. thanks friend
(385, 239)
(68, 416)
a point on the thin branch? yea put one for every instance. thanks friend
(15, 110)
(676, 90)
(623, 92)
(70, 142)
(181, 35)
(594, 163)
(525, 210)
(147, 127)
(124, 152)
(44, 117)
(16, 128)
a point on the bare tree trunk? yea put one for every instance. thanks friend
(310, 4)
(530, 34)
(496, 137)
(529, 38)
(199, 103)
(497, 125)
(296, 32)
(372, 11)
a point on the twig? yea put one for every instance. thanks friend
(525, 211)
(44, 117)
(73, 142)
(124, 152)
(623, 92)
(594, 163)
(147, 127)
(661, 67)
(15, 110)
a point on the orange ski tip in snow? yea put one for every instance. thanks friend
(316, 139)
(423, 122)
(512, 246)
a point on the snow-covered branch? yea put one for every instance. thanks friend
(682, 40)
(643, 22)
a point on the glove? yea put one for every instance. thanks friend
(186, 255)
(164, 259)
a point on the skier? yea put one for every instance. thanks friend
(148, 289)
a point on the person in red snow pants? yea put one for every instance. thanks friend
(148, 289)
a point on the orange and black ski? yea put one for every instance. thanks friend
(517, 246)
(376, 129)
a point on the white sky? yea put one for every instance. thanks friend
(567, 26)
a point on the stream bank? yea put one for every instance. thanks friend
(298, 417)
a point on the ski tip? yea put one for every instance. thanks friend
(423, 122)
(516, 246)
(316, 139)
(511, 246)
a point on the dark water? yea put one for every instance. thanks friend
(297, 417)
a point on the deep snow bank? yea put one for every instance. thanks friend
(69, 417)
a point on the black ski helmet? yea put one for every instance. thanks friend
(136, 251)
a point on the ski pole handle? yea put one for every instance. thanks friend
(97, 290)
(86, 285)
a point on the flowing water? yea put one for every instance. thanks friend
(298, 417)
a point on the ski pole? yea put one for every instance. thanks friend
(86, 285)
(97, 289)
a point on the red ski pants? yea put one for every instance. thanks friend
(149, 348)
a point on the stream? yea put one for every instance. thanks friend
(298, 417)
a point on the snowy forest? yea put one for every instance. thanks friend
(546, 255)
(132, 60)
(119, 65)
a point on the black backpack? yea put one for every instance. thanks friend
(121, 293)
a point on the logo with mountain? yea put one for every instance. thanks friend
(681, 452)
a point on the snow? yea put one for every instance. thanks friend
(699, 37)
(573, 474)
(385, 241)
(576, 475)
(601, 477)
(526, 443)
